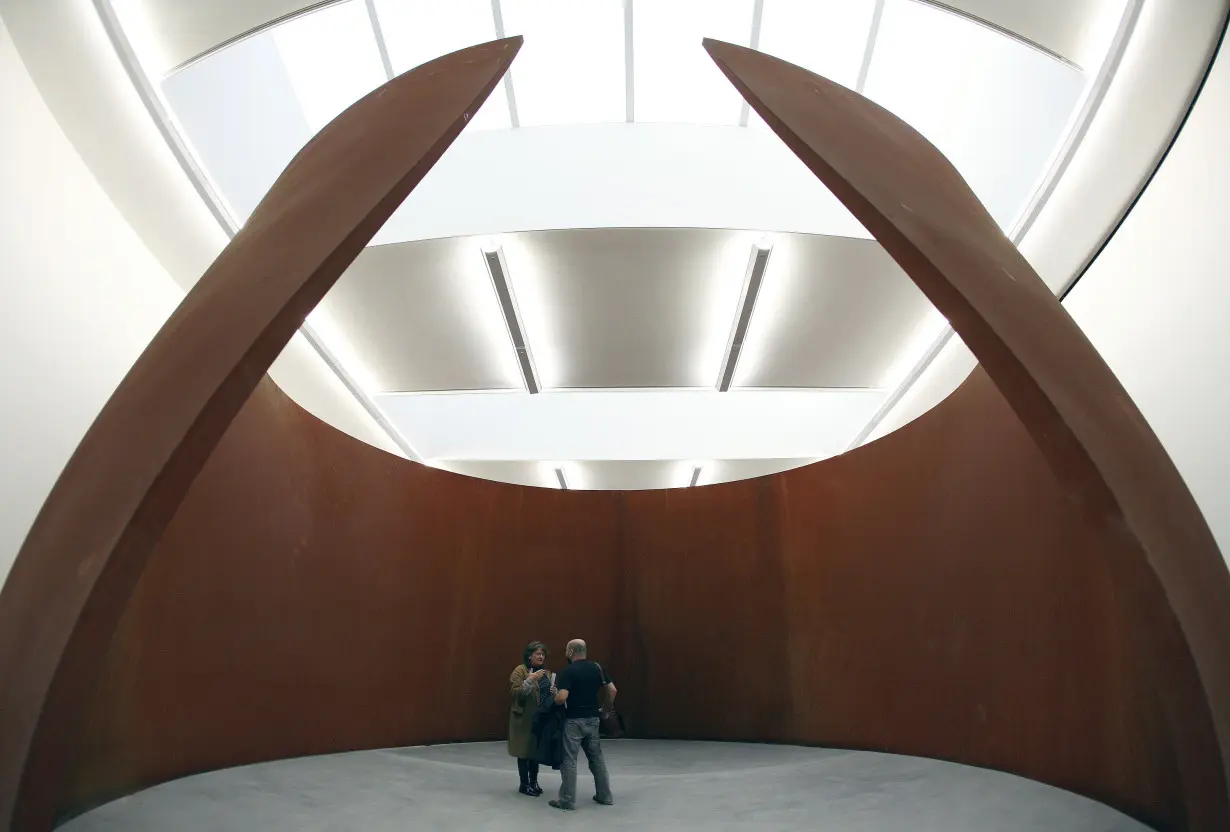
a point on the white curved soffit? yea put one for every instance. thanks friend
(1145, 104)
(67, 52)
(189, 30)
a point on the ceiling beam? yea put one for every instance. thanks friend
(493, 256)
(378, 32)
(754, 42)
(497, 15)
(757, 264)
(869, 50)
(629, 66)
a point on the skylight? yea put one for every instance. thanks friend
(417, 31)
(996, 106)
(675, 80)
(571, 68)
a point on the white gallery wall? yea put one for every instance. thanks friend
(82, 296)
(1156, 302)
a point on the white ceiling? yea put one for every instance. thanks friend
(620, 475)
(639, 293)
(185, 30)
(631, 425)
(628, 329)
(625, 308)
(997, 107)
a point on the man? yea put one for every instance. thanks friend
(577, 688)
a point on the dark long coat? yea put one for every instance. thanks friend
(521, 741)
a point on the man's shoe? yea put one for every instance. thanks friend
(601, 803)
(555, 804)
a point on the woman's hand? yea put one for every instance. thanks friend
(538, 674)
(554, 690)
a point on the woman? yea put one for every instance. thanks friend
(530, 684)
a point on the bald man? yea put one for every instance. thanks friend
(578, 688)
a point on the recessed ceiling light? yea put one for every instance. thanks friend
(756, 267)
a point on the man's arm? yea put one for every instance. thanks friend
(562, 683)
(611, 690)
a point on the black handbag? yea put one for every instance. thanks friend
(610, 724)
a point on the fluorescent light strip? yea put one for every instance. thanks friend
(756, 267)
(383, 47)
(559, 475)
(695, 477)
(498, 15)
(498, 269)
(629, 65)
(754, 42)
(872, 34)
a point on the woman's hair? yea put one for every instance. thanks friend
(530, 650)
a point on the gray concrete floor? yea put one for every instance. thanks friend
(658, 785)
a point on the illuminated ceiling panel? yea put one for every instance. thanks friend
(675, 79)
(571, 68)
(997, 108)
(827, 37)
(238, 111)
(832, 312)
(628, 308)
(418, 31)
(332, 59)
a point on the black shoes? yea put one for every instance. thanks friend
(535, 789)
(528, 791)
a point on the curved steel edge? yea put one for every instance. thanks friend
(92, 538)
(1175, 582)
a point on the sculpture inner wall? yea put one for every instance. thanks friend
(932, 593)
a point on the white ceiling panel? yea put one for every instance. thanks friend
(332, 59)
(995, 107)
(571, 68)
(239, 113)
(418, 31)
(832, 312)
(423, 316)
(1078, 30)
(179, 31)
(827, 37)
(631, 425)
(628, 308)
(729, 470)
(517, 472)
(675, 78)
(171, 32)
(629, 475)
(618, 175)
(617, 475)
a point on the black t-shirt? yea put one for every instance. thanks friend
(583, 680)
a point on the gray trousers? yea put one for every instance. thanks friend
(578, 734)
